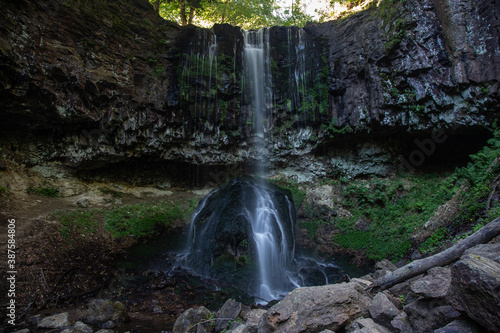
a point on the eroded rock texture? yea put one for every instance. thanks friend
(89, 85)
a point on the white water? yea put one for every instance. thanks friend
(275, 251)
(274, 254)
(257, 78)
(277, 269)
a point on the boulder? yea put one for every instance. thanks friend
(426, 315)
(435, 285)
(191, 317)
(400, 323)
(366, 325)
(81, 327)
(59, 320)
(491, 251)
(460, 326)
(385, 265)
(313, 309)
(475, 284)
(382, 310)
(229, 312)
(252, 319)
(102, 310)
(239, 329)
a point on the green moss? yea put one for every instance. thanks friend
(82, 222)
(138, 221)
(311, 227)
(394, 208)
(293, 186)
(46, 191)
(142, 220)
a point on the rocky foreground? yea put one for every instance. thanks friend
(461, 297)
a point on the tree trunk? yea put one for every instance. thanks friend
(157, 6)
(191, 15)
(483, 235)
(182, 5)
(223, 16)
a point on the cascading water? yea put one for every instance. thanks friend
(274, 250)
(243, 233)
(258, 93)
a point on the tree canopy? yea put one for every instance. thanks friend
(248, 14)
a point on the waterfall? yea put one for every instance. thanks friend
(243, 234)
(275, 252)
(258, 90)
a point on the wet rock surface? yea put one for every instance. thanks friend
(108, 90)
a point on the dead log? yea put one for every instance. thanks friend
(483, 235)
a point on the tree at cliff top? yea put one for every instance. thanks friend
(248, 14)
(183, 10)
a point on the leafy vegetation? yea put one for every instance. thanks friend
(481, 176)
(3, 189)
(46, 191)
(141, 220)
(394, 209)
(293, 186)
(138, 221)
(248, 14)
(82, 222)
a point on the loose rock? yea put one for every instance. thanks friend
(316, 308)
(56, 321)
(475, 287)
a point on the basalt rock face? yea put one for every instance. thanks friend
(89, 85)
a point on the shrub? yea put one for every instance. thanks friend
(395, 209)
(84, 223)
(141, 220)
(47, 191)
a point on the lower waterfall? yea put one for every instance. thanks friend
(243, 235)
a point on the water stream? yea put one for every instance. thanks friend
(243, 234)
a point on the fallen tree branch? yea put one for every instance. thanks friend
(483, 235)
(207, 321)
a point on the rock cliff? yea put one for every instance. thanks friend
(88, 85)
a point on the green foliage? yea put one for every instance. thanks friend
(293, 186)
(395, 209)
(248, 14)
(3, 189)
(82, 222)
(484, 166)
(311, 227)
(333, 130)
(46, 191)
(433, 242)
(480, 176)
(141, 220)
(114, 193)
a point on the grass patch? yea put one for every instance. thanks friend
(292, 185)
(138, 221)
(311, 227)
(142, 220)
(394, 209)
(3, 189)
(397, 208)
(46, 191)
(82, 222)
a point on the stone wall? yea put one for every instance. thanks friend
(93, 85)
